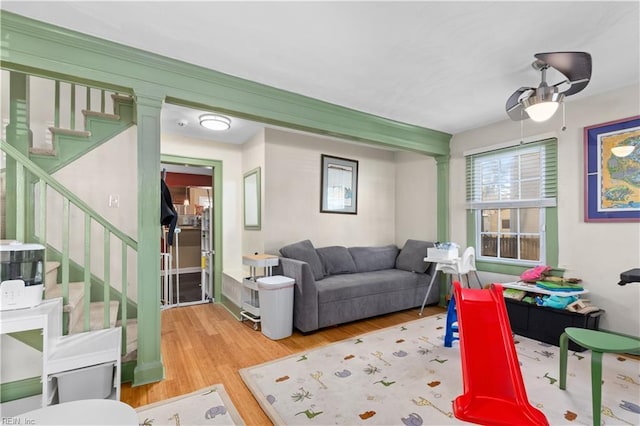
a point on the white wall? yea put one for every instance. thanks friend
(231, 157)
(595, 252)
(292, 193)
(416, 202)
(93, 178)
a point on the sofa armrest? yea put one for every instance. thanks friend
(305, 296)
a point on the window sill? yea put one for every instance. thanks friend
(506, 268)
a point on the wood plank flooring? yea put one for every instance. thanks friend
(204, 345)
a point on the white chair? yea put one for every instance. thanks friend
(468, 264)
(459, 266)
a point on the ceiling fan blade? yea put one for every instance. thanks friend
(514, 107)
(576, 66)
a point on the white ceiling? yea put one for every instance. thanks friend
(448, 66)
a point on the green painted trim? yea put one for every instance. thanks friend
(126, 371)
(69, 148)
(19, 135)
(32, 338)
(442, 170)
(76, 274)
(150, 372)
(551, 242)
(19, 389)
(232, 308)
(510, 269)
(51, 51)
(442, 195)
(37, 171)
(217, 186)
(148, 111)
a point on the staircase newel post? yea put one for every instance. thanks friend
(149, 366)
(19, 135)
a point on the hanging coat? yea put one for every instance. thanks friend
(168, 213)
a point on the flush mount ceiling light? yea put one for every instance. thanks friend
(215, 122)
(623, 150)
(540, 103)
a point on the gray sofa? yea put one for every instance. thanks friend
(336, 284)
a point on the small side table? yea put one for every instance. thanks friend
(250, 300)
(599, 342)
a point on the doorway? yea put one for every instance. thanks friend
(189, 255)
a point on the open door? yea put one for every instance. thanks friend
(188, 254)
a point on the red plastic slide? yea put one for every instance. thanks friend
(494, 392)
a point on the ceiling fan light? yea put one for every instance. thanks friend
(543, 103)
(623, 150)
(542, 111)
(215, 122)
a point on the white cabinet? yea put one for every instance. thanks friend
(65, 353)
(258, 263)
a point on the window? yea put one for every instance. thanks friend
(511, 198)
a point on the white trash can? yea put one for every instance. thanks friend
(276, 306)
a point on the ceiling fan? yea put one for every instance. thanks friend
(541, 103)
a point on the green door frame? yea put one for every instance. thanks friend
(216, 184)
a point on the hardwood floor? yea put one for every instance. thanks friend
(204, 345)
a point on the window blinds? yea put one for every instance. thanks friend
(519, 176)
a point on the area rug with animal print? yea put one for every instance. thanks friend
(405, 374)
(208, 406)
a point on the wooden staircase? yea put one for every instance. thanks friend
(30, 184)
(68, 144)
(75, 309)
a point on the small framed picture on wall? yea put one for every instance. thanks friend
(339, 185)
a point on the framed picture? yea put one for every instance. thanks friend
(612, 171)
(339, 185)
(252, 199)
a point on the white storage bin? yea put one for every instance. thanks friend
(442, 254)
(95, 382)
(276, 306)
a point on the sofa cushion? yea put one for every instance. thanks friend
(336, 260)
(411, 257)
(369, 259)
(305, 252)
(347, 286)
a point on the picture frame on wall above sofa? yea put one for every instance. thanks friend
(252, 199)
(339, 185)
(612, 171)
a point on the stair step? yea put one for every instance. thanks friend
(96, 317)
(70, 132)
(51, 274)
(76, 295)
(88, 113)
(43, 151)
(121, 98)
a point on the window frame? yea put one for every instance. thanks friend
(548, 215)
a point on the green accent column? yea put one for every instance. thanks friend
(442, 173)
(19, 136)
(551, 235)
(442, 167)
(149, 367)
